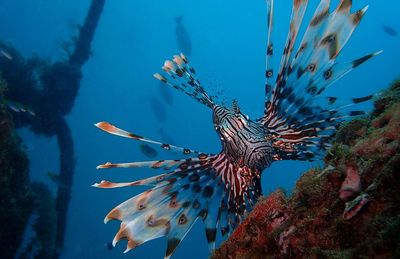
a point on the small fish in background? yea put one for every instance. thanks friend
(148, 151)
(6, 54)
(166, 94)
(158, 109)
(389, 30)
(109, 246)
(19, 107)
(182, 36)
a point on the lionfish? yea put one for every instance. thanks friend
(298, 124)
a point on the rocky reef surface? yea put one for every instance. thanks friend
(348, 209)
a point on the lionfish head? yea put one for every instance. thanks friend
(228, 121)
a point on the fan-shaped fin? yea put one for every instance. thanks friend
(181, 76)
(269, 71)
(300, 118)
(211, 218)
(156, 164)
(293, 100)
(195, 187)
(325, 37)
(298, 11)
(107, 127)
(224, 224)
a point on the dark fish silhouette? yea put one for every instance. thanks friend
(158, 109)
(389, 30)
(109, 246)
(298, 123)
(148, 151)
(182, 36)
(166, 93)
(165, 138)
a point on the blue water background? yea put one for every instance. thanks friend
(131, 43)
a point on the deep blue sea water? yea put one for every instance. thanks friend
(131, 43)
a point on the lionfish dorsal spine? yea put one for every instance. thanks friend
(301, 117)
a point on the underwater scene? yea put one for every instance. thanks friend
(199, 129)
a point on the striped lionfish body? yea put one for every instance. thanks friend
(298, 123)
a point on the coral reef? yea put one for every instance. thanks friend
(349, 209)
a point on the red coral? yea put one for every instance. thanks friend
(385, 140)
(351, 185)
(255, 231)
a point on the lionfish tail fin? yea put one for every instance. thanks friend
(178, 74)
(203, 187)
(298, 114)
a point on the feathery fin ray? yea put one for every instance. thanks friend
(107, 127)
(194, 189)
(178, 74)
(301, 126)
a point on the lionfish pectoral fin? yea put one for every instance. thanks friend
(178, 198)
(178, 74)
(300, 117)
(203, 187)
(109, 128)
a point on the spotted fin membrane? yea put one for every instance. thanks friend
(181, 76)
(298, 117)
(188, 189)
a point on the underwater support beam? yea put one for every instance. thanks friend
(65, 141)
(67, 166)
(82, 49)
